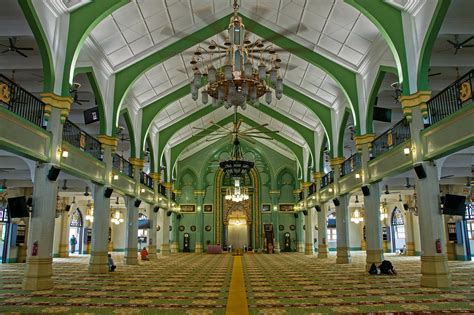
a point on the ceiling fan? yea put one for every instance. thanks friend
(14, 48)
(433, 74)
(459, 45)
(75, 94)
(235, 132)
(387, 192)
(408, 185)
(122, 135)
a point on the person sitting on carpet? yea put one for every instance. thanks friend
(144, 254)
(386, 268)
(110, 263)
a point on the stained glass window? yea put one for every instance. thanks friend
(76, 219)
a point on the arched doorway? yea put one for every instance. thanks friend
(227, 209)
(237, 229)
(76, 224)
(398, 230)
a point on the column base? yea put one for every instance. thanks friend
(322, 251)
(98, 262)
(131, 256)
(152, 252)
(198, 248)
(410, 249)
(174, 247)
(435, 272)
(38, 274)
(386, 247)
(300, 247)
(308, 249)
(165, 249)
(343, 255)
(277, 247)
(374, 256)
(63, 251)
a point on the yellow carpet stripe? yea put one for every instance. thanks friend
(237, 299)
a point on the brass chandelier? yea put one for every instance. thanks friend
(249, 70)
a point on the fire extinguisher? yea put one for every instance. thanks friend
(438, 246)
(34, 250)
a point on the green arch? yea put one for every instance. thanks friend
(42, 42)
(89, 71)
(427, 49)
(389, 22)
(178, 149)
(81, 23)
(152, 154)
(340, 144)
(383, 70)
(131, 133)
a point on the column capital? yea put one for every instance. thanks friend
(51, 100)
(136, 162)
(155, 176)
(177, 192)
(274, 192)
(318, 175)
(106, 140)
(198, 193)
(305, 184)
(364, 139)
(168, 185)
(418, 99)
(336, 161)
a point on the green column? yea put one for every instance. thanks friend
(199, 195)
(275, 196)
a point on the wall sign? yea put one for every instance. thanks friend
(207, 208)
(187, 208)
(286, 207)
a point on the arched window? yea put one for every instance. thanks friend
(76, 219)
(398, 223)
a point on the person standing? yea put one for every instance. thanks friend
(73, 242)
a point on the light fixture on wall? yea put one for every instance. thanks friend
(357, 216)
(117, 217)
(240, 81)
(90, 212)
(383, 211)
(237, 193)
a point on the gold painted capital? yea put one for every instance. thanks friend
(168, 185)
(177, 192)
(199, 193)
(137, 162)
(305, 184)
(107, 141)
(364, 139)
(336, 161)
(318, 175)
(63, 103)
(418, 99)
(274, 192)
(155, 176)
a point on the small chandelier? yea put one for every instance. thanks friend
(383, 211)
(236, 167)
(357, 216)
(117, 217)
(90, 212)
(248, 69)
(237, 193)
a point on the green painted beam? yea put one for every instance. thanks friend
(345, 77)
(42, 42)
(428, 43)
(125, 78)
(389, 22)
(81, 23)
(178, 149)
(89, 71)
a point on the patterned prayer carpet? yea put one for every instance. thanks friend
(178, 284)
(298, 284)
